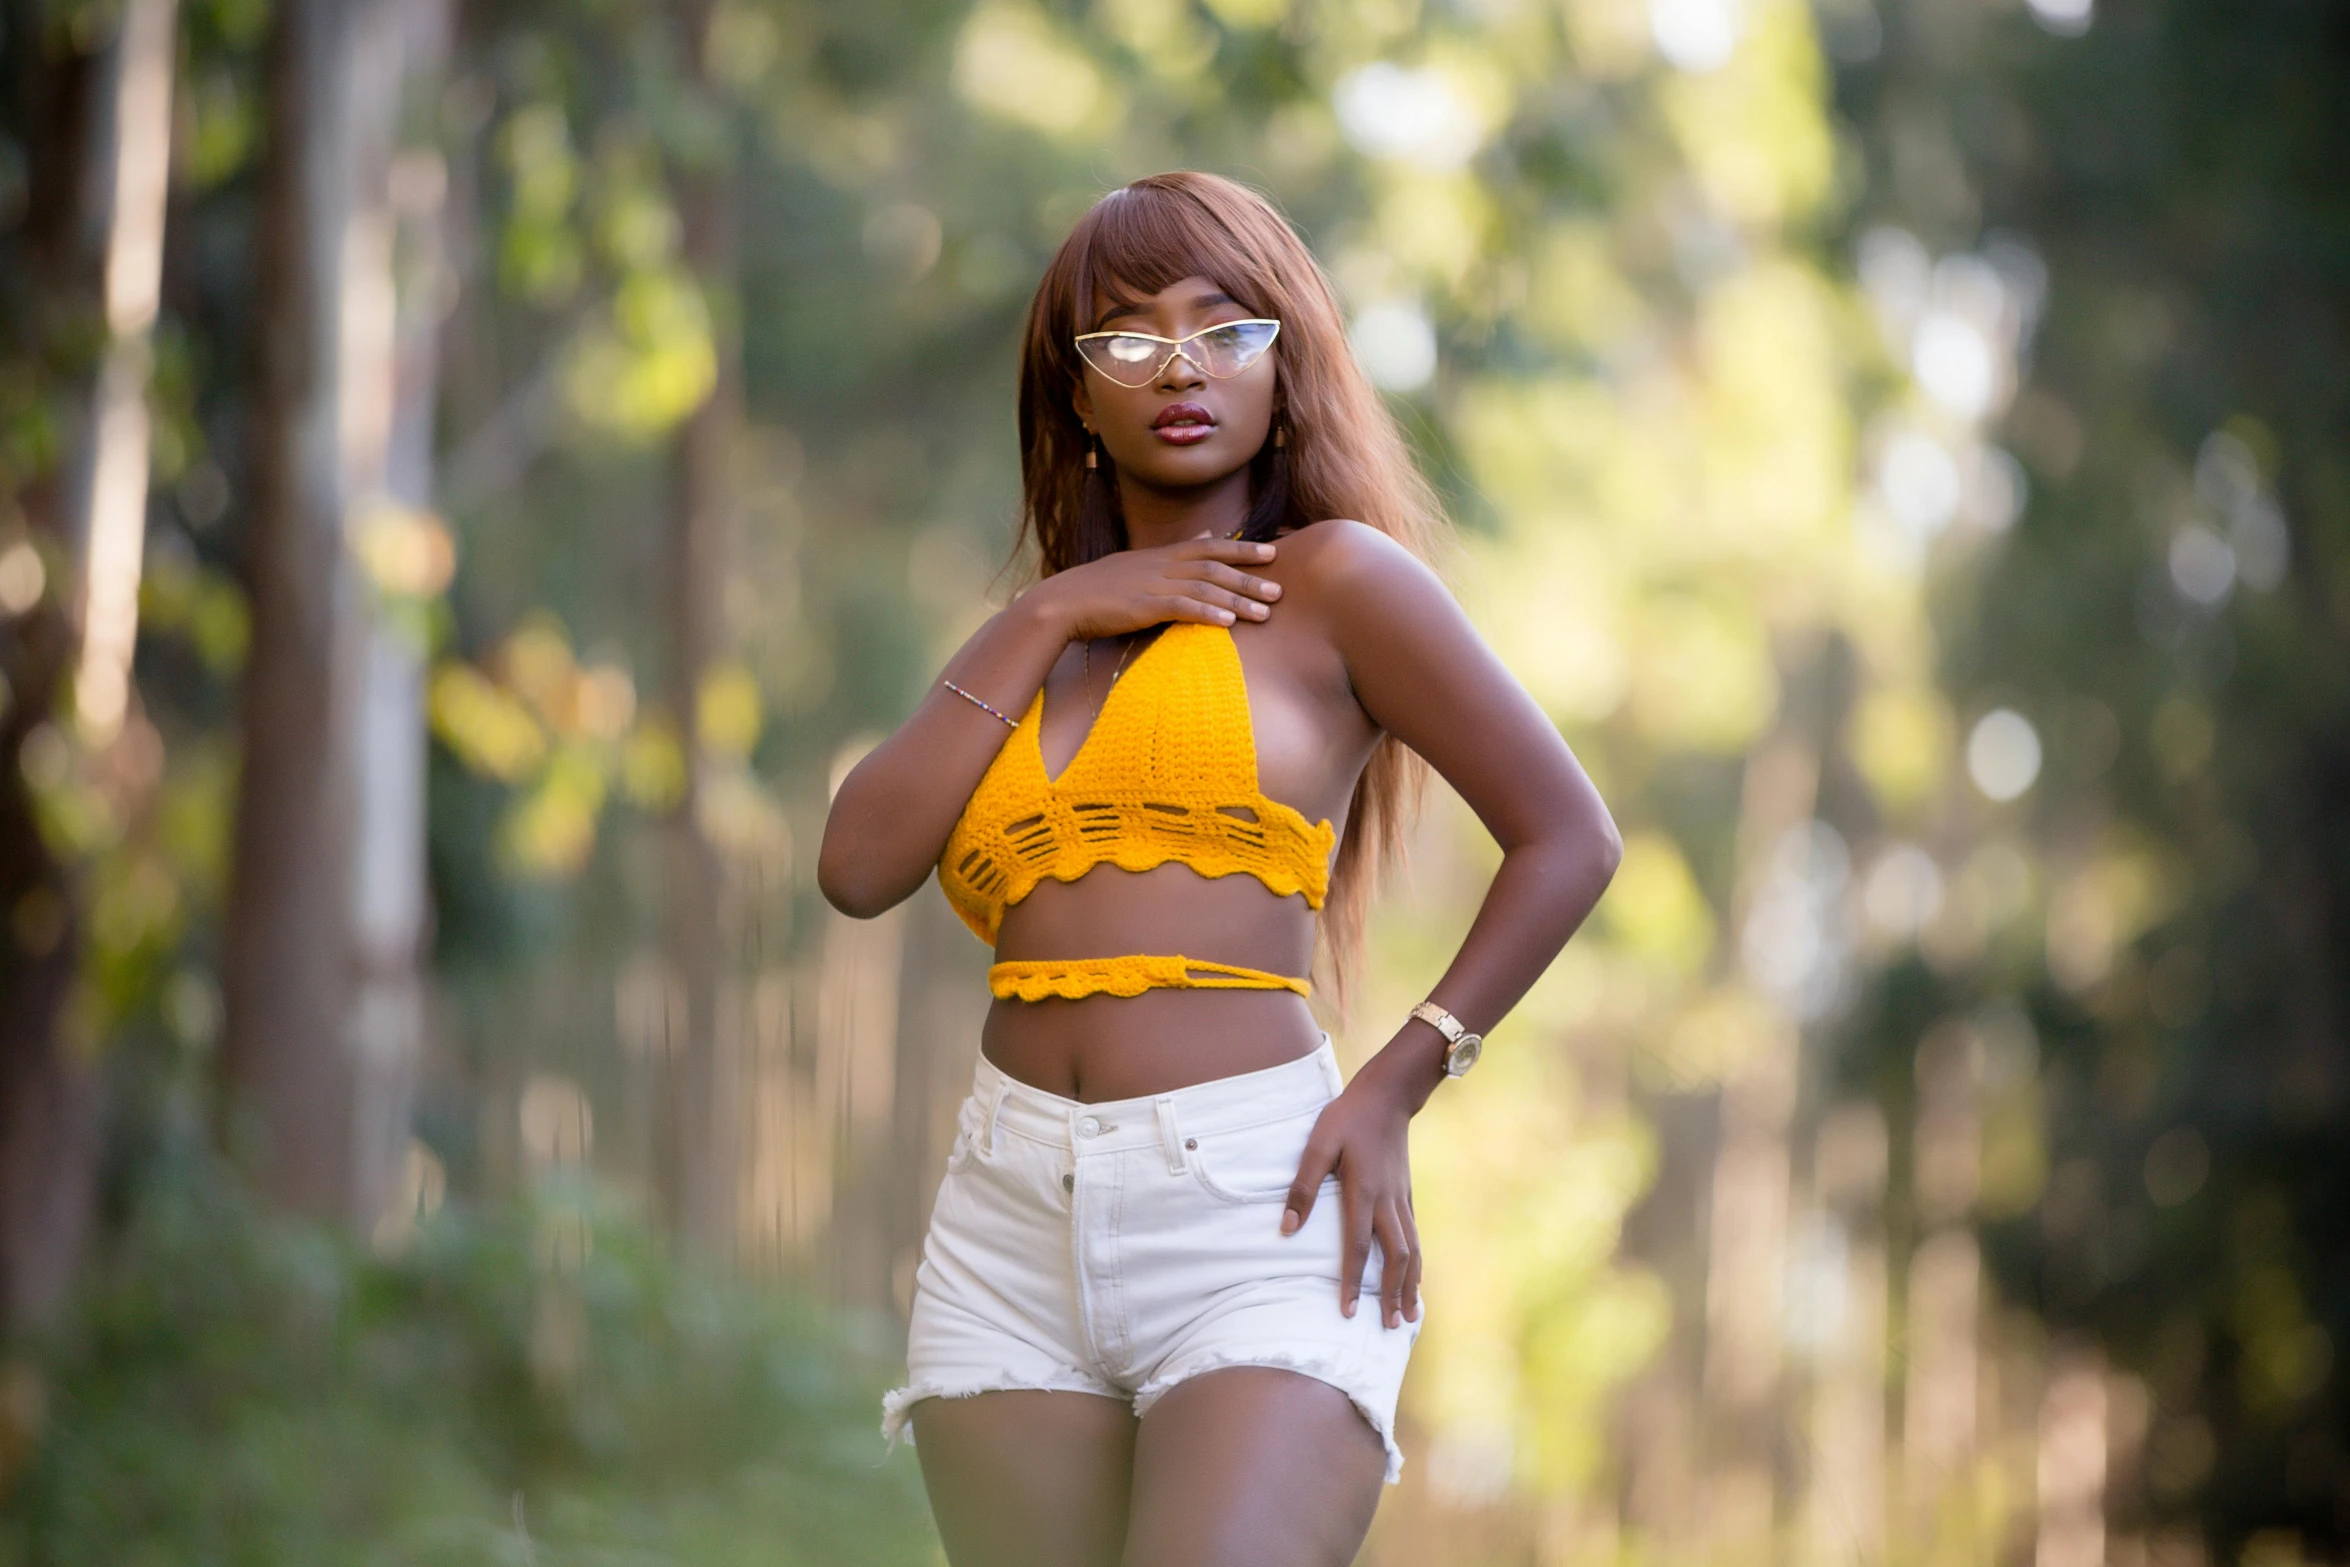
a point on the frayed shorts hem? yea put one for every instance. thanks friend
(897, 1407)
(1379, 1416)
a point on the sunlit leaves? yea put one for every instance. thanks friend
(1654, 909)
(652, 764)
(727, 710)
(223, 126)
(1248, 13)
(553, 828)
(178, 596)
(2289, 1355)
(565, 735)
(647, 361)
(1578, 298)
(743, 43)
(1722, 1034)
(1702, 676)
(1609, 39)
(1011, 63)
(2103, 902)
(488, 728)
(1901, 741)
(1168, 38)
(539, 252)
(405, 553)
(1752, 131)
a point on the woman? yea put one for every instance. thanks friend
(1136, 1335)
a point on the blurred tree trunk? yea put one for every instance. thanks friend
(699, 1145)
(50, 1102)
(112, 528)
(327, 909)
(390, 895)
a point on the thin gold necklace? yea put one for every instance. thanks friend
(1086, 677)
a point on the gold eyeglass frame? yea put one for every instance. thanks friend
(1178, 345)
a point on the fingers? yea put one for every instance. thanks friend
(1231, 579)
(1399, 1276)
(1181, 606)
(1233, 551)
(1357, 1255)
(1223, 587)
(1411, 1278)
(1393, 1259)
(1318, 1162)
(1242, 608)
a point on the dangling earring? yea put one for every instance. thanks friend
(1091, 460)
(1280, 436)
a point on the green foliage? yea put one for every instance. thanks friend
(2171, 610)
(241, 1390)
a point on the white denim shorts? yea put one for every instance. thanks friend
(1119, 1248)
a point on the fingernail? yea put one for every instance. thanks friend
(1347, 1309)
(1289, 1221)
(1225, 616)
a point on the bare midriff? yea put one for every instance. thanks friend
(1119, 1047)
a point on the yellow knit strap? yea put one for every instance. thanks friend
(1129, 975)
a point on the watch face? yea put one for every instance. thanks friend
(1463, 1055)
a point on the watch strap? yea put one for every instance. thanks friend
(1442, 1021)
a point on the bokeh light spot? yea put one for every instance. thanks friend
(1396, 345)
(2003, 754)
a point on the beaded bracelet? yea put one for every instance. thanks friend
(1008, 723)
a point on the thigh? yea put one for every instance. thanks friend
(1027, 1479)
(1253, 1467)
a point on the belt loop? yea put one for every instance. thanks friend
(1331, 1077)
(1170, 1136)
(995, 1108)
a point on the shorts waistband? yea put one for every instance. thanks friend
(1221, 1104)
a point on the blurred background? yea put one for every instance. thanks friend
(473, 472)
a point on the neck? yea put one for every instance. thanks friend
(1156, 516)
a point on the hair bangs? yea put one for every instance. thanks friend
(1142, 239)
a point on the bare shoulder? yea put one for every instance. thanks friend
(1339, 562)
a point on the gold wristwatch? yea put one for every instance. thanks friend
(1461, 1047)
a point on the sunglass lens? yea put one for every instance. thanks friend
(1228, 350)
(1128, 360)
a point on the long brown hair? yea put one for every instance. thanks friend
(1344, 455)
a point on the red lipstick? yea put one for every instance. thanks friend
(1184, 424)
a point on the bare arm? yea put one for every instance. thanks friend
(1424, 676)
(894, 812)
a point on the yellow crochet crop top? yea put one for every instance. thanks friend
(1168, 773)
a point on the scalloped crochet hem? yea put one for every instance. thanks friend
(1137, 858)
(1380, 1418)
(1131, 974)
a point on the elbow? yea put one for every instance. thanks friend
(858, 900)
(840, 891)
(849, 885)
(1582, 854)
(859, 897)
(1607, 851)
